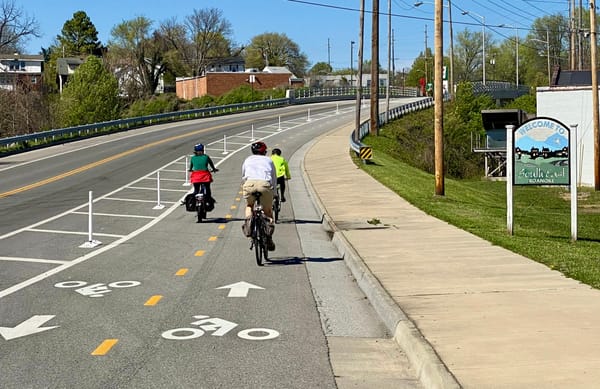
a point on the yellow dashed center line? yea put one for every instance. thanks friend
(199, 253)
(222, 227)
(212, 238)
(152, 301)
(181, 272)
(105, 347)
(105, 160)
(228, 216)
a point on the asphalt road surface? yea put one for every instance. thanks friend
(107, 282)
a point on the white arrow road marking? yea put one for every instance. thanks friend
(239, 289)
(28, 327)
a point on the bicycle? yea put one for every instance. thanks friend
(199, 204)
(201, 207)
(258, 228)
(276, 204)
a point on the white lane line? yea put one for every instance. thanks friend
(154, 189)
(167, 170)
(135, 200)
(104, 248)
(115, 215)
(163, 179)
(35, 260)
(72, 232)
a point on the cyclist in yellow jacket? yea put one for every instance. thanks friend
(282, 170)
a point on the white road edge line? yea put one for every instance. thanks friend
(102, 249)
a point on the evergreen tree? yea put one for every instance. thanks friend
(90, 96)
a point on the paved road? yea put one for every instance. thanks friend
(144, 308)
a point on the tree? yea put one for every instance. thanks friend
(276, 50)
(209, 36)
(15, 27)
(90, 96)
(136, 55)
(467, 56)
(321, 69)
(79, 36)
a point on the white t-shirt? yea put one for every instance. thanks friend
(259, 167)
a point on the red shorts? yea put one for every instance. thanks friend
(200, 176)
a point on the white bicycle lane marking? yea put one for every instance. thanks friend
(122, 239)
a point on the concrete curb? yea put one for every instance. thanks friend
(430, 369)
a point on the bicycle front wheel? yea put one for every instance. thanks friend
(258, 242)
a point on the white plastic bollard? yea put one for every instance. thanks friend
(91, 243)
(252, 134)
(187, 175)
(279, 127)
(158, 204)
(224, 144)
(308, 119)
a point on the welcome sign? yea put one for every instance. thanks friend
(541, 153)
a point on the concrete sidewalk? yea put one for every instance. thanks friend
(467, 313)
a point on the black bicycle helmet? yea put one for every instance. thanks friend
(259, 148)
(276, 151)
(199, 147)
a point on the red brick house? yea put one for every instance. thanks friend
(219, 83)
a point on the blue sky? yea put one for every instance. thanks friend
(323, 29)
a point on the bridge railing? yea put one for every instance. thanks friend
(300, 96)
(365, 127)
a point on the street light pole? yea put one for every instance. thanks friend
(483, 27)
(351, 62)
(547, 42)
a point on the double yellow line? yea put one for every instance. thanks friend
(105, 160)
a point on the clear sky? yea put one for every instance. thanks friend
(323, 29)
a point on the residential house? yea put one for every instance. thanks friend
(21, 69)
(65, 67)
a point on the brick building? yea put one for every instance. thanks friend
(219, 83)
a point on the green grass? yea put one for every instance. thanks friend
(542, 215)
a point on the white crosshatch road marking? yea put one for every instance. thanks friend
(263, 132)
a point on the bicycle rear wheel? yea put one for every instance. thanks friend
(258, 241)
(201, 211)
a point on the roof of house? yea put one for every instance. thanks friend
(573, 78)
(63, 65)
(276, 69)
(22, 57)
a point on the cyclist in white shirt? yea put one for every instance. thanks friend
(258, 174)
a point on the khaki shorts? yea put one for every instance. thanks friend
(264, 187)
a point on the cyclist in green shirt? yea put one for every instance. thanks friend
(200, 173)
(282, 170)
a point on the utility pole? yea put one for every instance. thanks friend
(389, 64)
(426, 78)
(328, 53)
(451, 79)
(374, 119)
(593, 47)
(361, 27)
(573, 31)
(439, 98)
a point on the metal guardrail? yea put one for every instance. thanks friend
(120, 124)
(355, 138)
